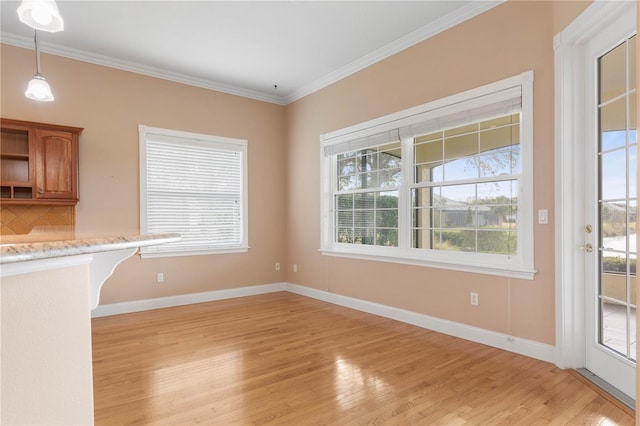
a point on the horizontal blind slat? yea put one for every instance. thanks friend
(504, 102)
(461, 118)
(383, 138)
(194, 188)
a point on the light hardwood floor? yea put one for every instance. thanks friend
(281, 358)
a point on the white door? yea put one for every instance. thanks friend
(611, 206)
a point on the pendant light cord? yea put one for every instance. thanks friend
(35, 40)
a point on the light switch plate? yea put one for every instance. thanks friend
(543, 216)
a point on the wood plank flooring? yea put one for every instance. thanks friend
(285, 359)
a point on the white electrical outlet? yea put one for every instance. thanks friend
(295, 267)
(160, 277)
(474, 298)
(278, 266)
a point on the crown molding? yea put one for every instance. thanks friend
(442, 24)
(108, 61)
(473, 9)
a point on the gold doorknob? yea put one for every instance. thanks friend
(588, 248)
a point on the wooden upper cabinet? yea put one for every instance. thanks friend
(56, 165)
(39, 163)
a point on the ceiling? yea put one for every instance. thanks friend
(276, 51)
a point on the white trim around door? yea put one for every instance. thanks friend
(571, 79)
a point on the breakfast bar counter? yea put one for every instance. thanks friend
(50, 282)
(41, 251)
(22, 248)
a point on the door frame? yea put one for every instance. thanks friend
(600, 359)
(571, 76)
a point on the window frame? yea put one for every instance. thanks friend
(202, 140)
(520, 266)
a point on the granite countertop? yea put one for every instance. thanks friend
(57, 244)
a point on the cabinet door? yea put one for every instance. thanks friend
(56, 165)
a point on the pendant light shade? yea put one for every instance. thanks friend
(38, 88)
(41, 15)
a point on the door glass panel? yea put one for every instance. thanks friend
(613, 226)
(614, 334)
(613, 73)
(614, 177)
(617, 199)
(632, 175)
(613, 124)
(632, 60)
(632, 113)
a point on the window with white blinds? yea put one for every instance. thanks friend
(446, 184)
(195, 185)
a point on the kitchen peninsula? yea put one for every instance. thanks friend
(50, 284)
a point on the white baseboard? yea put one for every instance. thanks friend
(517, 345)
(184, 299)
(530, 348)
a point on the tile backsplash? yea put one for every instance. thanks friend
(21, 219)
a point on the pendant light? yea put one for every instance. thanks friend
(38, 88)
(41, 15)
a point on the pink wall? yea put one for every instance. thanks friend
(506, 41)
(284, 159)
(110, 104)
(564, 12)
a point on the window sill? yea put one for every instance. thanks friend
(510, 271)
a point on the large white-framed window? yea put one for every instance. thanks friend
(195, 185)
(446, 184)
